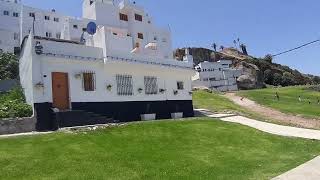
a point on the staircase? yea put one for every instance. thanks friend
(80, 118)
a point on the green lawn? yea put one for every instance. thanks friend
(289, 100)
(215, 102)
(191, 149)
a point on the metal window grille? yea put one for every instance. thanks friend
(180, 85)
(151, 86)
(138, 17)
(89, 80)
(124, 85)
(123, 17)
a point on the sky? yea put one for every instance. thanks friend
(265, 26)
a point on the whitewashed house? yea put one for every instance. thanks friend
(125, 71)
(216, 75)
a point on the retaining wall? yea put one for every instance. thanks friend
(18, 125)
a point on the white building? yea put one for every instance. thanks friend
(123, 71)
(216, 75)
(125, 19)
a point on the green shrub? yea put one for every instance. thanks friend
(12, 105)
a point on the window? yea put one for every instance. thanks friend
(75, 26)
(138, 17)
(47, 18)
(124, 85)
(32, 14)
(48, 34)
(84, 29)
(88, 81)
(15, 14)
(58, 35)
(123, 17)
(140, 35)
(16, 50)
(6, 13)
(150, 85)
(155, 38)
(180, 85)
(56, 19)
(212, 79)
(15, 36)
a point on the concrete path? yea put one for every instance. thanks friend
(307, 171)
(264, 126)
(274, 114)
(23, 134)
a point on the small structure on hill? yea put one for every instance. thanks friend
(216, 75)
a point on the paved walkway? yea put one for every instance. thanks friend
(307, 171)
(276, 115)
(23, 134)
(264, 126)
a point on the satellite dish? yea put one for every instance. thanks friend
(91, 28)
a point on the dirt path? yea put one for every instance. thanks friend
(274, 114)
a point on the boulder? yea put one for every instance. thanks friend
(251, 78)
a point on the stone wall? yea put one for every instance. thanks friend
(19, 125)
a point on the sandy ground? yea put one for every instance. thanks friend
(274, 114)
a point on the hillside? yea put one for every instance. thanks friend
(267, 71)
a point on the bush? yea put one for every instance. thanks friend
(12, 105)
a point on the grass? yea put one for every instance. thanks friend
(215, 102)
(191, 149)
(289, 100)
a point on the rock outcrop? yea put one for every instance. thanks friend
(251, 78)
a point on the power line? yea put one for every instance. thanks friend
(299, 47)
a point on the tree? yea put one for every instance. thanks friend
(9, 66)
(268, 76)
(214, 46)
(316, 80)
(268, 58)
(277, 79)
(288, 79)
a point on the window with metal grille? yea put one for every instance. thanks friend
(124, 85)
(150, 85)
(32, 14)
(138, 17)
(180, 85)
(89, 79)
(56, 19)
(140, 35)
(123, 17)
(6, 13)
(47, 18)
(15, 14)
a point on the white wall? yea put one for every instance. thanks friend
(25, 70)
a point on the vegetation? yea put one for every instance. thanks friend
(190, 149)
(216, 102)
(9, 66)
(289, 99)
(12, 105)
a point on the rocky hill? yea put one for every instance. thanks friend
(257, 71)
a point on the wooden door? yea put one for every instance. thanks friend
(60, 90)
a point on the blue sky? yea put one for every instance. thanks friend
(265, 26)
